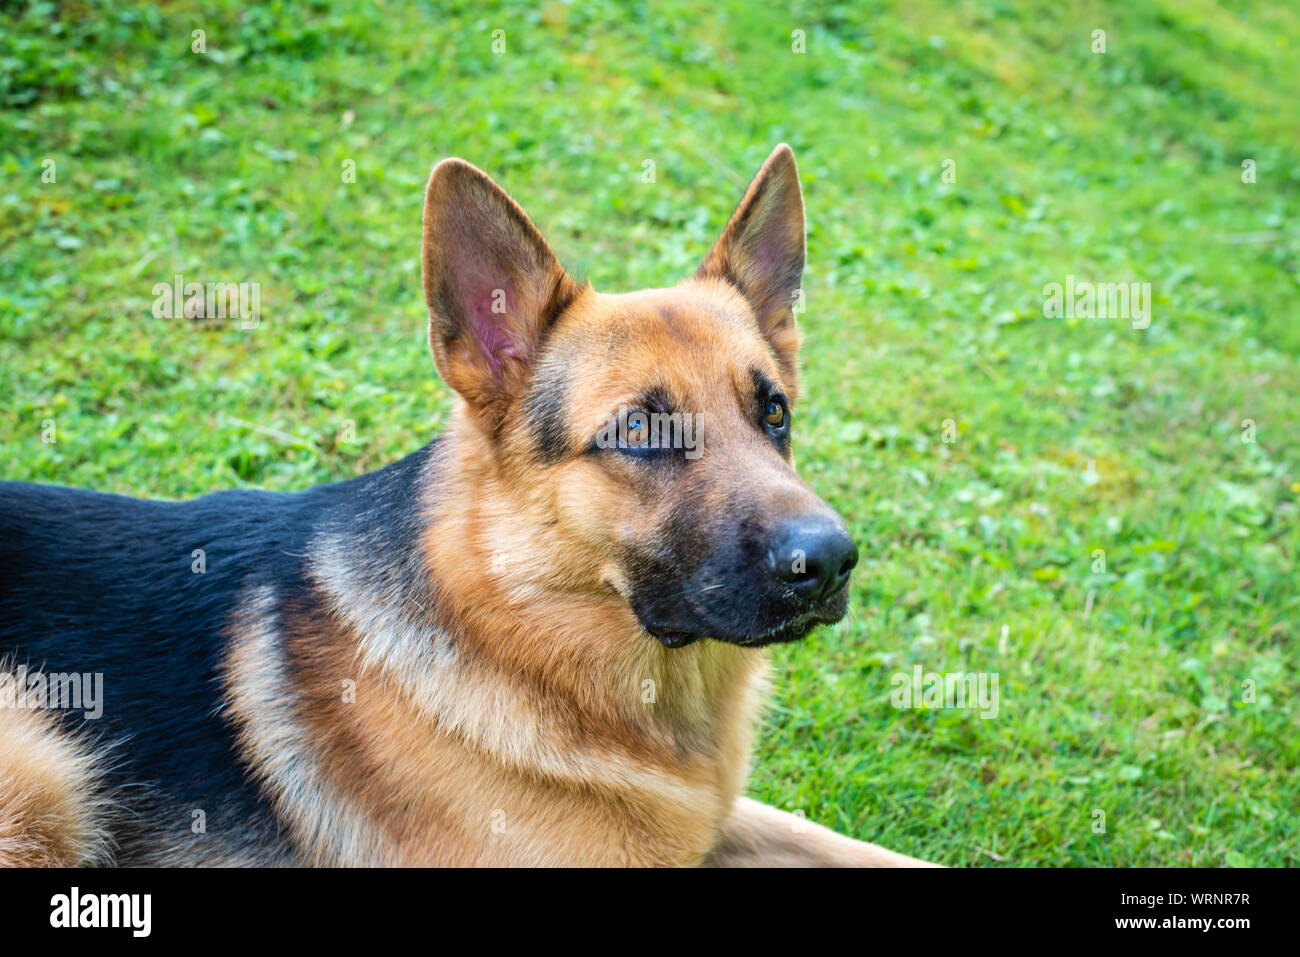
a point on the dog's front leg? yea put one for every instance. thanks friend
(756, 835)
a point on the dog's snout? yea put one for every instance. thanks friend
(814, 555)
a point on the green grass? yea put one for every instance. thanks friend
(925, 303)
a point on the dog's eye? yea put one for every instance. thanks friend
(775, 414)
(643, 434)
(637, 433)
(633, 433)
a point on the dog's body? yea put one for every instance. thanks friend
(453, 661)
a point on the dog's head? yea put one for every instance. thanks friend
(648, 433)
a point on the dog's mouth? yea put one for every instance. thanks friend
(679, 610)
(793, 628)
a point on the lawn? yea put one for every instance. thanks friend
(1107, 517)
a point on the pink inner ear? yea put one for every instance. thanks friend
(772, 255)
(494, 342)
(493, 336)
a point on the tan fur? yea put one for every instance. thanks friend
(495, 749)
(263, 697)
(757, 835)
(50, 812)
(524, 717)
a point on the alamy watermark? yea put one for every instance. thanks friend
(1102, 300)
(214, 300)
(58, 691)
(129, 911)
(638, 430)
(928, 689)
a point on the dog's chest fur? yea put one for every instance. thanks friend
(432, 717)
(402, 747)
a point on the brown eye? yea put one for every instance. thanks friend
(774, 415)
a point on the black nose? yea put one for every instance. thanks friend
(813, 554)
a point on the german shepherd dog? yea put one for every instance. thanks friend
(539, 640)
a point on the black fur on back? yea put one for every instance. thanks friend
(91, 582)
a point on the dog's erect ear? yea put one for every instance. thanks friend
(492, 286)
(761, 252)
